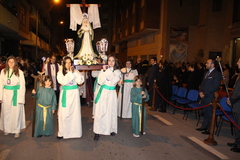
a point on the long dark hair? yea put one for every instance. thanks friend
(15, 68)
(64, 63)
(116, 65)
(47, 77)
(131, 61)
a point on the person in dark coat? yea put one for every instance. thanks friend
(151, 76)
(209, 85)
(192, 82)
(200, 72)
(234, 101)
(164, 86)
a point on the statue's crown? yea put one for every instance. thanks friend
(85, 15)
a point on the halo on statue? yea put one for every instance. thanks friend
(85, 15)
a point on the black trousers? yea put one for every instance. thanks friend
(237, 132)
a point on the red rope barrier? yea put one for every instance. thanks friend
(229, 117)
(178, 106)
(150, 89)
(238, 127)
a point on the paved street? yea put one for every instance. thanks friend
(168, 137)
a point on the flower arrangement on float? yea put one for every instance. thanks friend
(88, 59)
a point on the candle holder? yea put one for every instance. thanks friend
(70, 47)
(102, 46)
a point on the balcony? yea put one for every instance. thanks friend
(9, 24)
(32, 42)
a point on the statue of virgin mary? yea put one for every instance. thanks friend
(84, 43)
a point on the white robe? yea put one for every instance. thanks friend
(12, 118)
(127, 104)
(105, 117)
(69, 117)
(95, 75)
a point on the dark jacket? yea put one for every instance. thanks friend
(152, 74)
(235, 98)
(209, 85)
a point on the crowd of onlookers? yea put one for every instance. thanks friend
(190, 75)
(184, 74)
(27, 66)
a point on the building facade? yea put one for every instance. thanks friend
(24, 28)
(177, 30)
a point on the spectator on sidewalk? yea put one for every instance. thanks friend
(209, 85)
(234, 100)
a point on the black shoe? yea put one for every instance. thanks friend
(46, 135)
(39, 136)
(206, 132)
(113, 134)
(235, 150)
(233, 145)
(59, 137)
(96, 137)
(161, 110)
(201, 129)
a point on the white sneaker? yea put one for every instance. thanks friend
(144, 132)
(134, 135)
(17, 135)
(5, 134)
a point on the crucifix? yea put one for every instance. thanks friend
(84, 5)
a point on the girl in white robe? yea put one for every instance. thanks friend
(69, 111)
(105, 117)
(125, 110)
(12, 97)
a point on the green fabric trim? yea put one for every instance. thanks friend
(128, 80)
(64, 94)
(100, 91)
(14, 88)
(95, 84)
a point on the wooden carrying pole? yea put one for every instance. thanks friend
(34, 108)
(123, 74)
(143, 102)
(154, 93)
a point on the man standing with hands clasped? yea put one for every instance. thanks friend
(209, 85)
(234, 101)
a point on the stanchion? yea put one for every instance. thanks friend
(210, 140)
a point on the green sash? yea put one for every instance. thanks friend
(128, 80)
(14, 88)
(100, 91)
(95, 84)
(65, 88)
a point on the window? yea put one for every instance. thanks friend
(132, 43)
(134, 6)
(22, 15)
(236, 11)
(147, 39)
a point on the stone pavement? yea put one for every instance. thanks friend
(168, 137)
